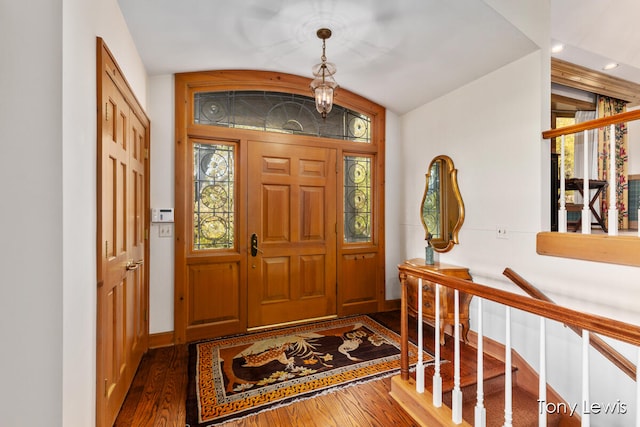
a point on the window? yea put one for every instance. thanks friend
(357, 199)
(279, 112)
(214, 194)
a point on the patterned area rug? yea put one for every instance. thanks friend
(242, 375)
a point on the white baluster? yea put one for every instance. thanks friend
(586, 212)
(508, 405)
(456, 394)
(542, 385)
(480, 418)
(420, 363)
(638, 390)
(562, 212)
(437, 379)
(613, 206)
(586, 421)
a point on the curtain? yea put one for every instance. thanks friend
(578, 154)
(608, 107)
(592, 143)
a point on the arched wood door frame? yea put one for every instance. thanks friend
(360, 269)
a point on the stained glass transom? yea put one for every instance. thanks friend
(279, 112)
(357, 199)
(213, 204)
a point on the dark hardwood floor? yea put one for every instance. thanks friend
(158, 393)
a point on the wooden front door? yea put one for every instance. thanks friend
(252, 157)
(122, 331)
(292, 233)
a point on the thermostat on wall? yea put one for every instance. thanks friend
(162, 215)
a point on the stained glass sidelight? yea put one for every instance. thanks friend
(214, 191)
(357, 199)
(279, 112)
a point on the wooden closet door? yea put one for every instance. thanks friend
(122, 330)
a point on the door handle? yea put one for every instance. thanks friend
(254, 245)
(133, 265)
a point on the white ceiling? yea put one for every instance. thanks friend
(596, 32)
(400, 54)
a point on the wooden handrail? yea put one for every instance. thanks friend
(622, 331)
(592, 124)
(596, 342)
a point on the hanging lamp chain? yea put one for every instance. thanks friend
(323, 58)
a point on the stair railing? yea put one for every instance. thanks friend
(585, 322)
(614, 356)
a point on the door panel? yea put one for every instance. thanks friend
(361, 296)
(292, 277)
(276, 214)
(115, 349)
(215, 296)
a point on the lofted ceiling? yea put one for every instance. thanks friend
(400, 54)
(597, 32)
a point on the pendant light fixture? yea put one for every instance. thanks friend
(323, 85)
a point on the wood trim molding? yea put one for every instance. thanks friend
(569, 105)
(568, 74)
(621, 250)
(161, 339)
(392, 304)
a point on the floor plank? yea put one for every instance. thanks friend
(158, 393)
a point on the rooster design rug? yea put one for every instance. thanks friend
(238, 376)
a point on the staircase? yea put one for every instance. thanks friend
(525, 381)
(525, 409)
(507, 397)
(525, 384)
(525, 405)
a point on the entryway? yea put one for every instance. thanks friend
(279, 213)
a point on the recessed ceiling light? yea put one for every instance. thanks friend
(557, 48)
(610, 66)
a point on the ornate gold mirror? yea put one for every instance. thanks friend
(442, 209)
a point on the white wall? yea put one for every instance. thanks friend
(394, 203)
(491, 129)
(48, 179)
(79, 206)
(162, 158)
(31, 327)
(82, 21)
